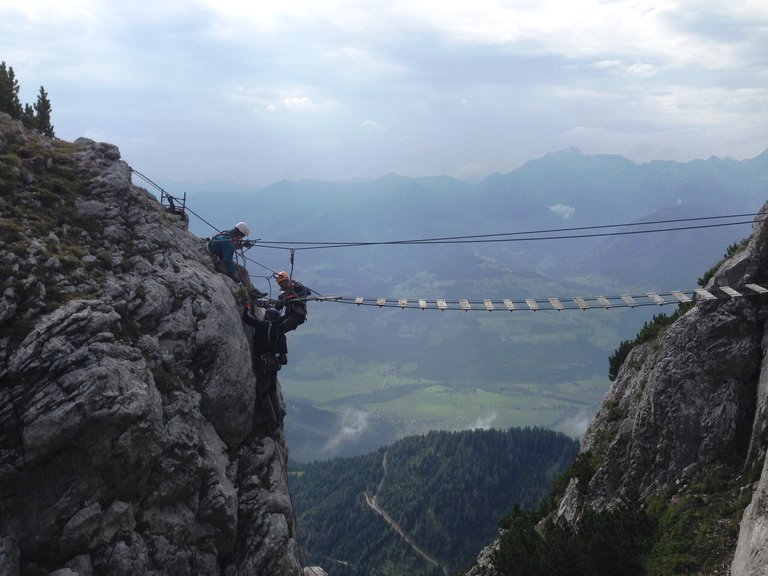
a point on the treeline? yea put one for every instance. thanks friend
(446, 490)
(37, 116)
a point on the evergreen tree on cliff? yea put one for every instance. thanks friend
(42, 117)
(37, 116)
(9, 92)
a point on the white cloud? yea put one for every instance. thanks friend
(352, 425)
(297, 103)
(485, 422)
(370, 125)
(446, 87)
(565, 212)
(576, 425)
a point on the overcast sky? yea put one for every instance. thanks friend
(254, 91)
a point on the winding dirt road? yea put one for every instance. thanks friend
(372, 501)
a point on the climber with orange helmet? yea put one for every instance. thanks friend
(292, 298)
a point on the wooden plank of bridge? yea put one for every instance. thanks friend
(556, 304)
(381, 302)
(656, 298)
(756, 288)
(680, 296)
(489, 305)
(442, 304)
(629, 301)
(730, 291)
(403, 302)
(581, 303)
(422, 304)
(604, 302)
(464, 303)
(359, 300)
(509, 304)
(532, 304)
(705, 294)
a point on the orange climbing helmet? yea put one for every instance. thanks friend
(282, 277)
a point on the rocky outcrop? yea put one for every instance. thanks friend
(130, 439)
(689, 406)
(691, 403)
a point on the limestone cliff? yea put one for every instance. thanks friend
(692, 405)
(686, 424)
(130, 439)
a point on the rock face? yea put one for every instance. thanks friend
(130, 439)
(693, 402)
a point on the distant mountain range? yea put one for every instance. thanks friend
(345, 358)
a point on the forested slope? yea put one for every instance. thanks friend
(446, 490)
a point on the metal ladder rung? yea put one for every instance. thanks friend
(532, 304)
(680, 296)
(556, 304)
(629, 301)
(656, 298)
(756, 288)
(705, 294)
(581, 303)
(604, 302)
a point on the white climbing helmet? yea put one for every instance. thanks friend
(243, 228)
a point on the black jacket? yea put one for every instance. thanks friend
(267, 337)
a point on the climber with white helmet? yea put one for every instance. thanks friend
(223, 246)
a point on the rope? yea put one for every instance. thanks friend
(484, 239)
(544, 231)
(158, 187)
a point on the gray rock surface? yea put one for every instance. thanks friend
(690, 403)
(129, 438)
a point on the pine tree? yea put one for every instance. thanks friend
(9, 92)
(43, 113)
(28, 116)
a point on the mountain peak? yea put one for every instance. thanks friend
(565, 153)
